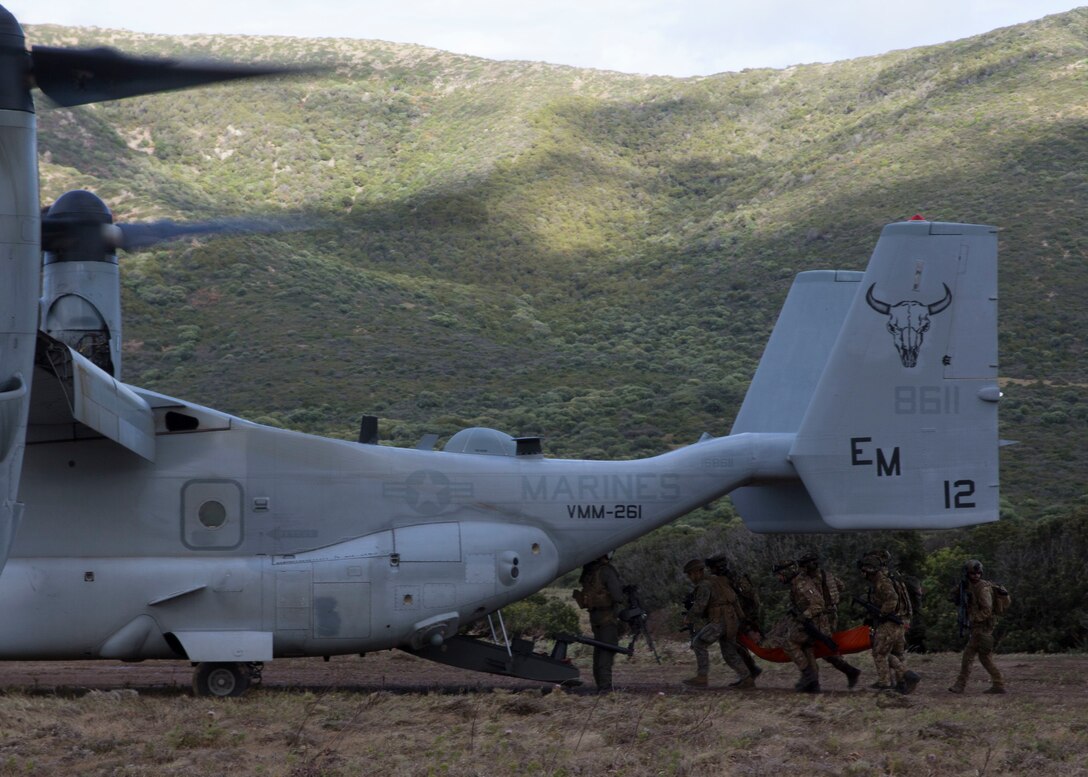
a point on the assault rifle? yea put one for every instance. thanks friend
(687, 603)
(878, 616)
(814, 632)
(635, 616)
(963, 597)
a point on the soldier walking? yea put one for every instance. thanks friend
(823, 592)
(890, 612)
(601, 593)
(789, 633)
(979, 602)
(747, 602)
(714, 617)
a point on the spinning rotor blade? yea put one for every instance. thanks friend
(62, 235)
(136, 237)
(80, 76)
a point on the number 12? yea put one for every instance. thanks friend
(959, 497)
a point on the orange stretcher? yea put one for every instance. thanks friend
(853, 640)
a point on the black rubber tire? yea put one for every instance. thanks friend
(220, 679)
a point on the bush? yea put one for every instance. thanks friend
(539, 616)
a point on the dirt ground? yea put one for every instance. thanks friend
(393, 714)
(1040, 678)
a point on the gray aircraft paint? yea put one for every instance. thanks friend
(324, 546)
(799, 346)
(886, 443)
(20, 261)
(155, 528)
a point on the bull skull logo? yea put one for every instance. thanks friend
(908, 321)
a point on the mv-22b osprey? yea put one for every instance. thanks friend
(138, 526)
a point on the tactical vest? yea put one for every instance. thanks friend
(594, 592)
(723, 606)
(832, 589)
(747, 598)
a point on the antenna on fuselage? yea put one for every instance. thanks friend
(368, 430)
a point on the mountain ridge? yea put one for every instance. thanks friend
(591, 256)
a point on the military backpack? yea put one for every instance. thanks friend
(904, 607)
(1002, 598)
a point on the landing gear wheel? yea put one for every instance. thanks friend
(221, 679)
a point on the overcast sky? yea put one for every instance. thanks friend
(661, 37)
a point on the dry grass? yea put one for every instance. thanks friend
(654, 728)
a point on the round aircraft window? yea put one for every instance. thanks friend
(212, 514)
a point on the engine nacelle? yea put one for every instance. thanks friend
(81, 285)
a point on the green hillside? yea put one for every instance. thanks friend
(589, 256)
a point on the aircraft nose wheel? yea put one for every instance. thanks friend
(221, 679)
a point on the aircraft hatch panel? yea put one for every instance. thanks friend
(226, 645)
(293, 600)
(211, 514)
(428, 542)
(341, 610)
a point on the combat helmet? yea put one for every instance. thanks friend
(694, 565)
(881, 556)
(808, 558)
(868, 564)
(719, 565)
(787, 568)
(974, 566)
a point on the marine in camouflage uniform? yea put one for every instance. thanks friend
(916, 630)
(714, 617)
(830, 590)
(981, 619)
(889, 629)
(601, 593)
(747, 603)
(789, 633)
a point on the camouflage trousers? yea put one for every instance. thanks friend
(889, 646)
(727, 643)
(981, 644)
(608, 631)
(790, 636)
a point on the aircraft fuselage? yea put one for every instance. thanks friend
(242, 542)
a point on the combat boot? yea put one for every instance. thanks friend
(957, 688)
(995, 689)
(879, 686)
(908, 683)
(750, 664)
(744, 684)
(809, 682)
(698, 681)
(852, 675)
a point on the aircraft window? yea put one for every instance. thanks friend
(212, 514)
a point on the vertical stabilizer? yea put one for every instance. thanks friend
(782, 388)
(902, 429)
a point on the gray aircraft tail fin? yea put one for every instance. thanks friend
(901, 431)
(782, 387)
